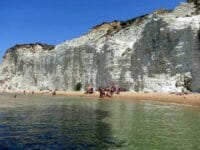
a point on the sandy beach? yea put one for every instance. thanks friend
(188, 99)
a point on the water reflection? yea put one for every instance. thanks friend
(56, 127)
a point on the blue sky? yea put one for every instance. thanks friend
(54, 21)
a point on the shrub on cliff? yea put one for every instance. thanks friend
(78, 86)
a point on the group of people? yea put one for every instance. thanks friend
(104, 92)
(108, 92)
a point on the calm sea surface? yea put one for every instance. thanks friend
(43, 122)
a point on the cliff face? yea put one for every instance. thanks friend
(159, 52)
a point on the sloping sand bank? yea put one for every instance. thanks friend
(189, 99)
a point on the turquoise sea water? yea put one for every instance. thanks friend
(45, 122)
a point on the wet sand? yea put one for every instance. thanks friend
(188, 99)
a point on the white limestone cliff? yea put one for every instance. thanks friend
(159, 52)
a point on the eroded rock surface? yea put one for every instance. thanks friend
(159, 52)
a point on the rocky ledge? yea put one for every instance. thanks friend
(30, 46)
(197, 5)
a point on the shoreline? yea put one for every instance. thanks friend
(188, 99)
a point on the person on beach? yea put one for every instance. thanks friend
(108, 94)
(54, 93)
(90, 90)
(118, 90)
(15, 96)
(101, 92)
(112, 90)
